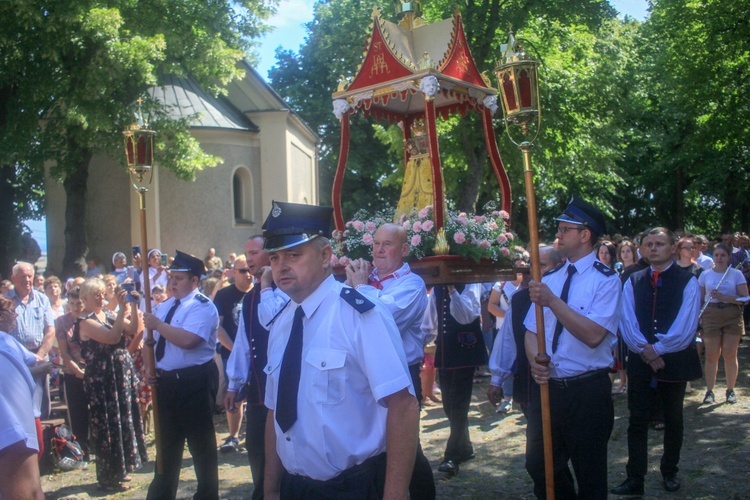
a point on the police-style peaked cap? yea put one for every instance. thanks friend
(581, 212)
(292, 224)
(187, 263)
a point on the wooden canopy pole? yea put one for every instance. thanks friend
(150, 342)
(542, 357)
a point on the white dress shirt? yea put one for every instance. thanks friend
(680, 334)
(405, 297)
(593, 295)
(198, 315)
(351, 361)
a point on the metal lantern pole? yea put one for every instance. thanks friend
(139, 154)
(518, 85)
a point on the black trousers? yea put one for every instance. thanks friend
(78, 410)
(582, 420)
(255, 441)
(186, 409)
(422, 484)
(365, 481)
(456, 385)
(642, 396)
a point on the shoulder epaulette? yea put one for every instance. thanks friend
(356, 300)
(602, 268)
(553, 271)
(201, 298)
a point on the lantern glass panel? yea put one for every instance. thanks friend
(509, 93)
(524, 89)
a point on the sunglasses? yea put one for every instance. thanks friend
(563, 229)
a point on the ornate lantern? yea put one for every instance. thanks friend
(139, 155)
(139, 150)
(518, 84)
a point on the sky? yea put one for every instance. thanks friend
(290, 33)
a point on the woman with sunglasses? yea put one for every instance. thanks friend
(684, 257)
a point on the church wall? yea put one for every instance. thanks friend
(194, 216)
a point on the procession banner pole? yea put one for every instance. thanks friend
(542, 357)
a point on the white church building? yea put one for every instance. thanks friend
(268, 154)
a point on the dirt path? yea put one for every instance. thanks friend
(715, 455)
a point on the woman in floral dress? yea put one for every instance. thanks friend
(111, 383)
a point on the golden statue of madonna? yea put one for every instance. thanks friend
(416, 191)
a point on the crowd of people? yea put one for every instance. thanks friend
(329, 376)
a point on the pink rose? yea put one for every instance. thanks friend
(416, 240)
(484, 244)
(417, 227)
(462, 214)
(502, 239)
(344, 260)
(478, 219)
(492, 224)
(459, 238)
(367, 239)
(510, 236)
(423, 213)
(505, 251)
(358, 225)
(505, 215)
(406, 224)
(427, 225)
(461, 219)
(370, 226)
(348, 224)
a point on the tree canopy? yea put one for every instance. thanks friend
(71, 70)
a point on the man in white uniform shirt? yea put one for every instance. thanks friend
(403, 293)
(338, 391)
(581, 302)
(185, 332)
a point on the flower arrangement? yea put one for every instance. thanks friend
(467, 235)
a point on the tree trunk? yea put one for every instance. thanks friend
(10, 227)
(476, 158)
(76, 244)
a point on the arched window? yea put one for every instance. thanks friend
(242, 196)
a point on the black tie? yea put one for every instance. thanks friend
(286, 404)
(162, 343)
(564, 297)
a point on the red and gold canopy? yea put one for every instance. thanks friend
(410, 71)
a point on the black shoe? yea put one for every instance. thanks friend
(671, 484)
(450, 467)
(629, 488)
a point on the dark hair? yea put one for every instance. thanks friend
(610, 249)
(725, 247)
(75, 293)
(659, 230)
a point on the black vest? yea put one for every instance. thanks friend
(257, 339)
(520, 304)
(658, 318)
(458, 346)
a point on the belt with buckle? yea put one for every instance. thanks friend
(720, 305)
(564, 383)
(190, 371)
